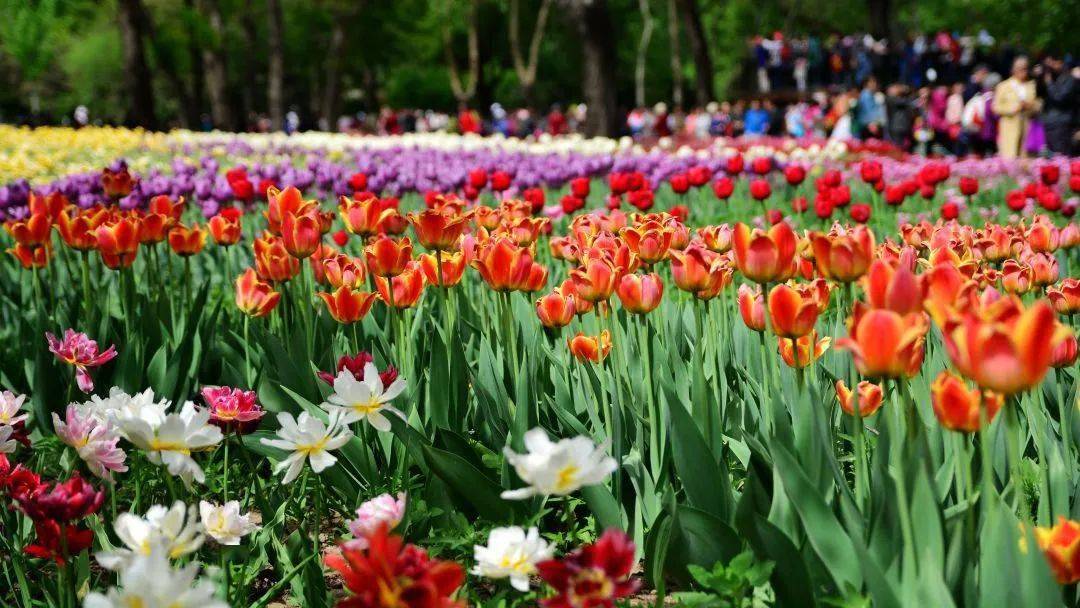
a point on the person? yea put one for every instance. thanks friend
(556, 120)
(954, 114)
(869, 113)
(977, 135)
(1015, 103)
(900, 115)
(468, 121)
(1062, 96)
(756, 120)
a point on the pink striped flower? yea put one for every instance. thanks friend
(79, 350)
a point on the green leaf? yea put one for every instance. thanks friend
(706, 484)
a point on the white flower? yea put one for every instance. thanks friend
(120, 407)
(95, 440)
(309, 440)
(224, 523)
(172, 441)
(174, 532)
(511, 552)
(366, 399)
(557, 468)
(7, 444)
(150, 581)
(10, 408)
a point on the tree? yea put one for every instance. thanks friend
(137, 75)
(676, 62)
(880, 13)
(213, 61)
(526, 71)
(647, 24)
(275, 73)
(341, 13)
(463, 92)
(595, 31)
(699, 49)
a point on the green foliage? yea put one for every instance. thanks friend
(741, 583)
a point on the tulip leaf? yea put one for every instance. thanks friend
(706, 483)
(604, 507)
(469, 484)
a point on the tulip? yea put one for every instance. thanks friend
(869, 398)
(282, 203)
(1006, 353)
(118, 243)
(640, 293)
(233, 409)
(1065, 297)
(404, 289)
(33, 231)
(760, 189)
(387, 257)
(957, 407)
(752, 307)
(301, 234)
(650, 241)
(225, 227)
(254, 297)
(844, 256)
(438, 230)
(556, 310)
(346, 305)
(790, 314)
(723, 188)
(186, 241)
(273, 262)
(1065, 352)
(893, 288)
(1061, 546)
(51, 205)
(716, 238)
(802, 352)
(78, 350)
(590, 348)
(507, 267)
(366, 216)
(78, 229)
(1017, 278)
(446, 270)
(31, 257)
(1044, 268)
(885, 344)
(765, 257)
(690, 268)
(116, 184)
(595, 279)
(341, 269)
(1042, 236)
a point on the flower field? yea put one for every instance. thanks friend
(442, 371)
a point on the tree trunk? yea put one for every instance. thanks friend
(275, 76)
(647, 24)
(880, 13)
(198, 85)
(699, 48)
(676, 62)
(213, 59)
(595, 30)
(463, 92)
(247, 71)
(136, 71)
(526, 71)
(331, 105)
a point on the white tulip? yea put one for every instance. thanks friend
(173, 531)
(557, 468)
(309, 440)
(11, 408)
(150, 580)
(365, 399)
(511, 553)
(174, 440)
(224, 523)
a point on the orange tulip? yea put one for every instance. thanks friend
(301, 234)
(1004, 347)
(595, 279)
(366, 216)
(844, 256)
(997, 243)
(716, 238)
(650, 241)
(869, 398)
(186, 241)
(555, 309)
(78, 228)
(1069, 236)
(50, 205)
(163, 205)
(957, 407)
(523, 231)
(255, 297)
(438, 230)
(893, 288)
(945, 287)
(691, 268)
(1061, 546)
(884, 343)
(817, 290)
(272, 261)
(346, 305)
(118, 242)
(340, 269)
(31, 257)
(32, 231)
(451, 271)
(790, 314)
(387, 257)
(1016, 277)
(581, 305)
(1044, 268)
(404, 289)
(1065, 297)
(487, 217)
(1042, 236)
(640, 293)
(225, 230)
(803, 351)
(752, 307)
(590, 348)
(506, 267)
(562, 248)
(116, 184)
(765, 257)
(282, 203)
